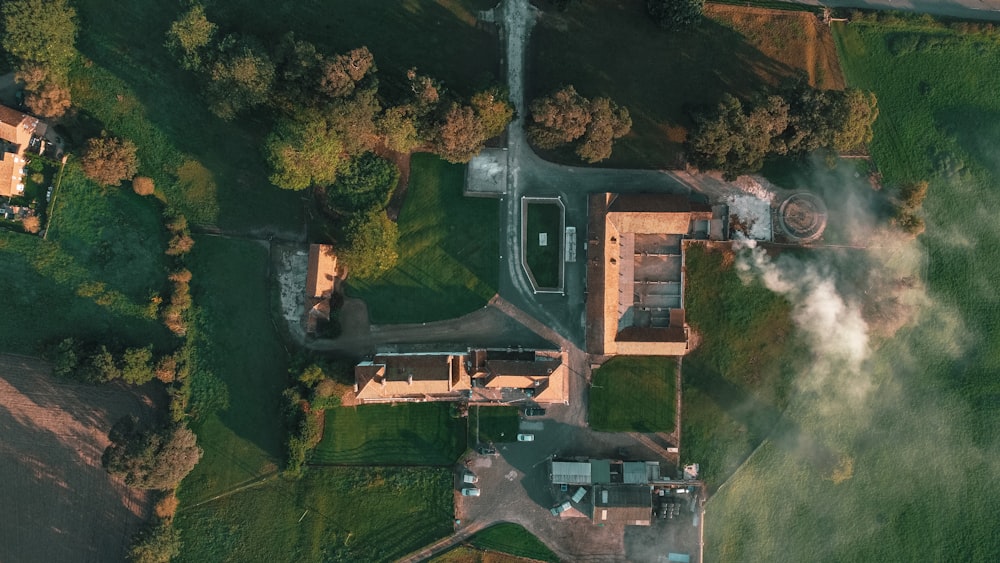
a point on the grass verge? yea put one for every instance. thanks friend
(634, 394)
(330, 514)
(545, 262)
(512, 539)
(403, 434)
(448, 251)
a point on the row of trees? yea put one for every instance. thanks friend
(40, 36)
(907, 215)
(96, 363)
(736, 139)
(565, 117)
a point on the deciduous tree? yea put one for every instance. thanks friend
(108, 161)
(40, 33)
(363, 185)
(398, 128)
(608, 121)
(340, 74)
(675, 14)
(371, 241)
(152, 459)
(156, 543)
(240, 78)
(303, 151)
(559, 118)
(190, 36)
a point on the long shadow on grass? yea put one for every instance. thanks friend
(606, 49)
(763, 421)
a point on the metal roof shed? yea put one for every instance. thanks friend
(600, 470)
(634, 473)
(571, 473)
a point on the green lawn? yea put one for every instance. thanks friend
(448, 251)
(925, 402)
(331, 514)
(634, 394)
(243, 368)
(545, 262)
(94, 276)
(403, 434)
(659, 76)
(496, 424)
(512, 539)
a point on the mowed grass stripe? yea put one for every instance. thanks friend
(448, 251)
(330, 514)
(634, 394)
(403, 434)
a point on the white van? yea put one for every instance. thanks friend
(470, 478)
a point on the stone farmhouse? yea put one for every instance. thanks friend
(635, 272)
(18, 133)
(475, 376)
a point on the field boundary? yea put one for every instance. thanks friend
(525, 202)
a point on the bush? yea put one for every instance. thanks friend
(675, 14)
(143, 185)
(363, 184)
(32, 224)
(155, 459)
(156, 543)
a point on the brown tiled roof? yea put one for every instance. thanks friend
(7, 177)
(390, 376)
(612, 222)
(322, 272)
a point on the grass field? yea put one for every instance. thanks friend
(660, 76)
(242, 365)
(448, 251)
(512, 539)
(94, 276)
(634, 394)
(465, 554)
(545, 262)
(495, 424)
(50, 460)
(923, 404)
(331, 514)
(403, 434)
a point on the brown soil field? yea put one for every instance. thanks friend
(58, 502)
(797, 39)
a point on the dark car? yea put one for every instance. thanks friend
(487, 450)
(534, 411)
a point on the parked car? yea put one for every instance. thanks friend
(561, 508)
(525, 437)
(534, 411)
(470, 492)
(487, 450)
(48, 194)
(470, 478)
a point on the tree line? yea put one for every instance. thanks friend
(736, 137)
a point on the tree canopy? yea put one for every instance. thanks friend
(363, 185)
(157, 543)
(372, 241)
(303, 151)
(40, 33)
(675, 14)
(240, 78)
(151, 459)
(108, 161)
(565, 116)
(736, 139)
(190, 35)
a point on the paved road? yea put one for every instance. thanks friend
(967, 9)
